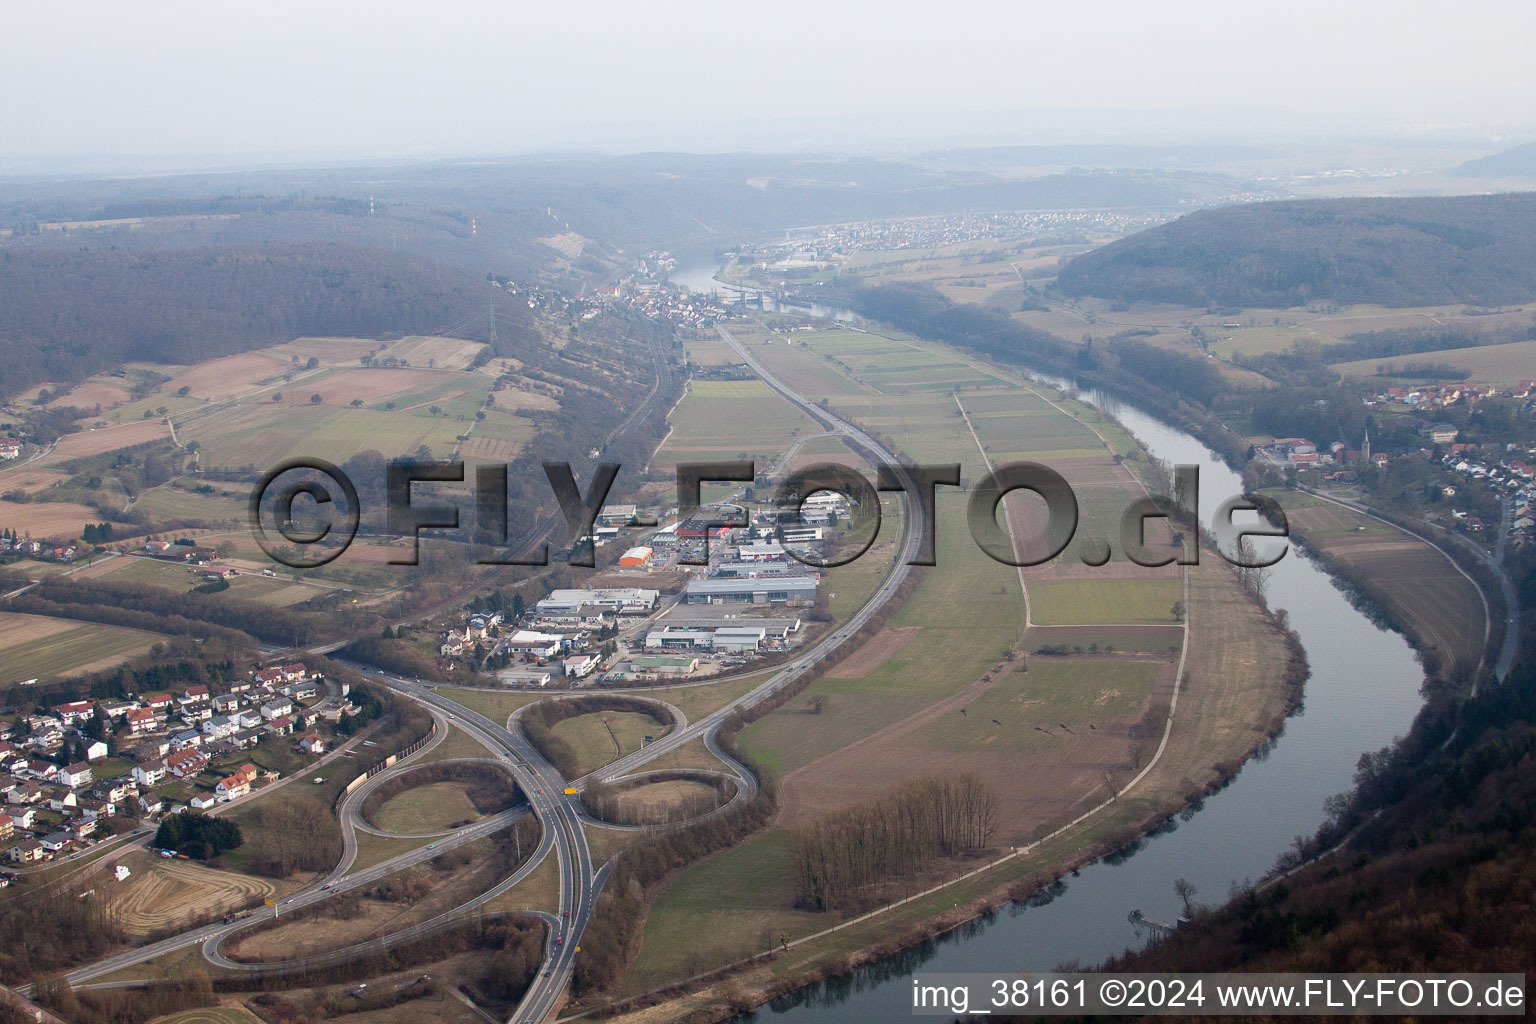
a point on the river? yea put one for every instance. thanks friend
(700, 277)
(1363, 692)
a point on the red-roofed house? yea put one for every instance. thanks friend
(186, 763)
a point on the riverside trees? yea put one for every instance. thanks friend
(844, 853)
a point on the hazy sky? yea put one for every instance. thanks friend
(343, 79)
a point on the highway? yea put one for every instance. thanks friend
(559, 812)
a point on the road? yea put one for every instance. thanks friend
(1506, 656)
(558, 811)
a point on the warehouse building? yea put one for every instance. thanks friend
(741, 570)
(523, 679)
(738, 639)
(623, 600)
(635, 557)
(684, 617)
(766, 551)
(760, 590)
(616, 515)
(664, 664)
(673, 638)
(534, 644)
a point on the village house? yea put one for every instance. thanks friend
(300, 691)
(140, 721)
(74, 712)
(274, 709)
(334, 713)
(311, 744)
(116, 709)
(184, 764)
(28, 851)
(23, 794)
(232, 787)
(74, 775)
(282, 725)
(245, 739)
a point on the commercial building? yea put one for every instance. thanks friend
(685, 617)
(664, 664)
(765, 551)
(529, 642)
(523, 678)
(635, 557)
(760, 590)
(737, 570)
(616, 515)
(738, 639)
(623, 600)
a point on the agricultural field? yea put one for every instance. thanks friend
(953, 682)
(161, 894)
(264, 433)
(109, 438)
(728, 420)
(1123, 602)
(150, 572)
(710, 353)
(1421, 586)
(441, 353)
(38, 647)
(735, 903)
(53, 520)
(1490, 364)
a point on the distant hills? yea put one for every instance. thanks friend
(1479, 250)
(1519, 162)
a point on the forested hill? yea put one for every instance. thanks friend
(1479, 250)
(1517, 162)
(68, 314)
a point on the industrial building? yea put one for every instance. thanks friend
(759, 590)
(616, 515)
(664, 664)
(622, 600)
(635, 557)
(523, 678)
(769, 551)
(726, 640)
(684, 617)
(529, 642)
(748, 569)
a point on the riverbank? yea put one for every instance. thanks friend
(1242, 678)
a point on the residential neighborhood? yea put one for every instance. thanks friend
(71, 773)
